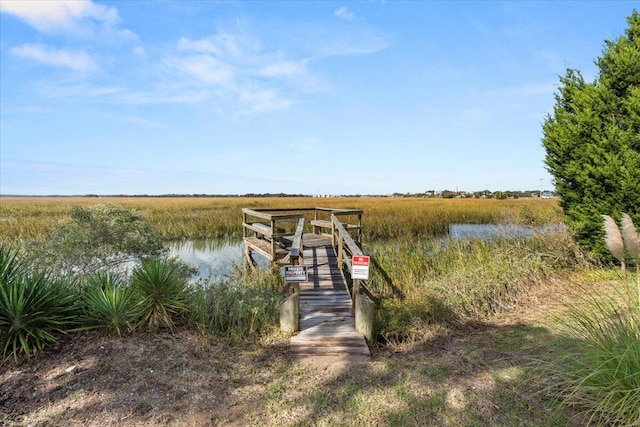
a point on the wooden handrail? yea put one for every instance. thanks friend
(352, 246)
(296, 245)
(345, 241)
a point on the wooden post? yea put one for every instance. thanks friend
(340, 252)
(333, 233)
(273, 240)
(354, 294)
(315, 218)
(244, 221)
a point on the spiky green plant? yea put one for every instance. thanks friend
(11, 265)
(34, 310)
(161, 291)
(109, 304)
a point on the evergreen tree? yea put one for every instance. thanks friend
(592, 140)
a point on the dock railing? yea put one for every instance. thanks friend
(362, 299)
(269, 233)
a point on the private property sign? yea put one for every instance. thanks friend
(360, 267)
(295, 273)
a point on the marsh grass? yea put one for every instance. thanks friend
(599, 369)
(207, 217)
(457, 282)
(243, 306)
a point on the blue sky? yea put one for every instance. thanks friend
(146, 97)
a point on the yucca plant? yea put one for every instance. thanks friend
(11, 266)
(34, 310)
(161, 291)
(109, 304)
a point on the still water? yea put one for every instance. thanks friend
(213, 258)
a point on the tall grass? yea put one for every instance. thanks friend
(599, 373)
(245, 305)
(455, 282)
(200, 217)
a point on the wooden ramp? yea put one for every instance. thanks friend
(327, 327)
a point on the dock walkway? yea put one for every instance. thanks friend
(327, 327)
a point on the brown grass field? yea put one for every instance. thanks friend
(201, 217)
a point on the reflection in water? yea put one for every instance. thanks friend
(214, 258)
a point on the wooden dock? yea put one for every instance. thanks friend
(327, 326)
(329, 320)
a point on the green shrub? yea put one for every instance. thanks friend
(98, 237)
(161, 292)
(109, 304)
(34, 309)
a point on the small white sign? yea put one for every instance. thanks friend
(295, 273)
(360, 267)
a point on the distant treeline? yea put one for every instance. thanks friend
(446, 194)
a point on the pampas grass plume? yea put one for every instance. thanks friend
(630, 236)
(613, 238)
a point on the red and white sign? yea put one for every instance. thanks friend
(360, 267)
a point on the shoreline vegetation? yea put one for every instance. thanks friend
(467, 330)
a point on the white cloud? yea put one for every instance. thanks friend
(344, 13)
(139, 51)
(263, 100)
(305, 146)
(78, 61)
(78, 17)
(222, 44)
(283, 68)
(47, 15)
(204, 68)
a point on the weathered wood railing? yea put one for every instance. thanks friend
(322, 221)
(264, 232)
(296, 252)
(362, 299)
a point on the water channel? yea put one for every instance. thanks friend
(213, 258)
(216, 258)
